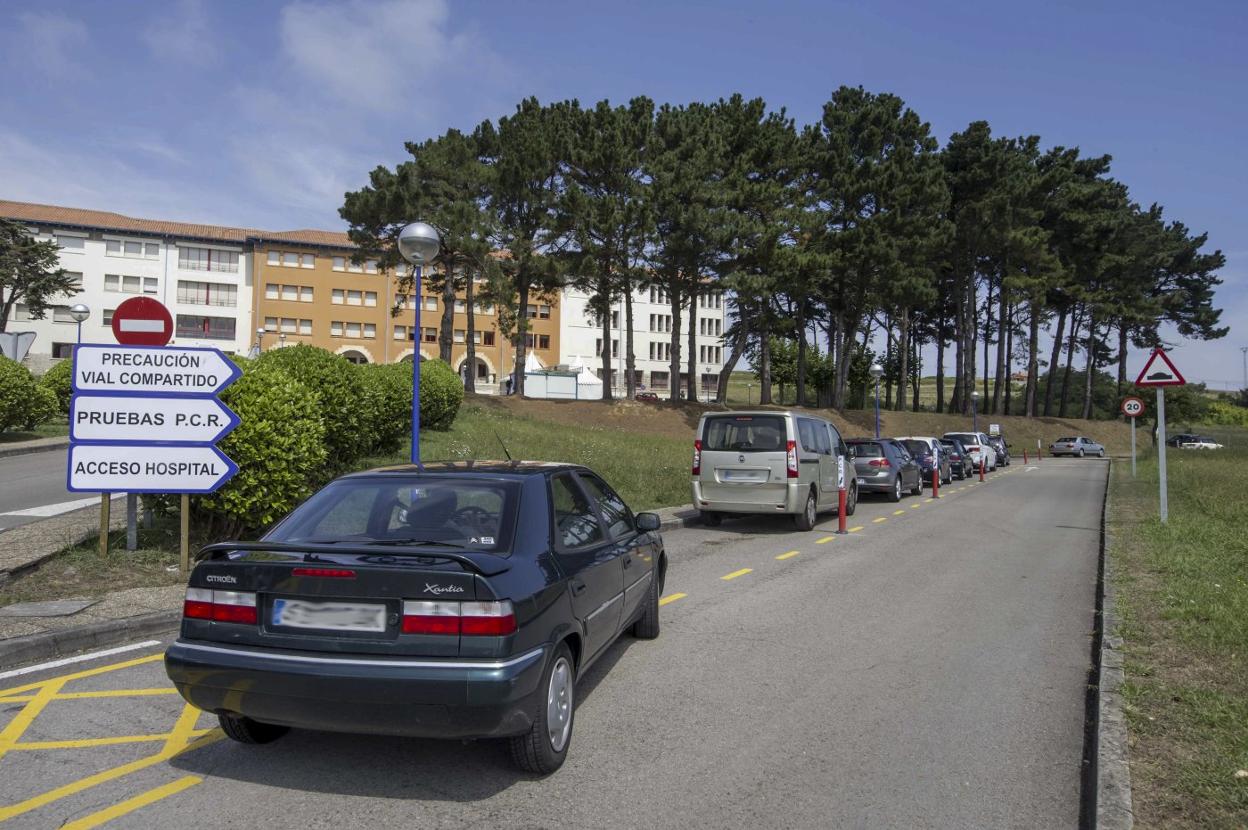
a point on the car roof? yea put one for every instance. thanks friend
(493, 469)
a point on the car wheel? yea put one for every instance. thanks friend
(647, 625)
(1100, 453)
(1081, 453)
(247, 731)
(710, 518)
(918, 485)
(809, 515)
(543, 748)
(895, 495)
(851, 500)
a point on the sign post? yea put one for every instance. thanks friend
(1160, 372)
(144, 418)
(1133, 408)
(841, 503)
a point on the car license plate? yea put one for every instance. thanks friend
(330, 616)
(862, 481)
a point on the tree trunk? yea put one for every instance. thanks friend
(1090, 369)
(738, 348)
(1009, 359)
(847, 331)
(940, 365)
(607, 357)
(1075, 323)
(470, 359)
(1054, 357)
(522, 327)
(673, 383)
(630, 359)
(987, 340)
(801, 354)
(446, 339)
(916, 354)
(903, 354)
(692, 381)
(998, 385)
(1122, 356)
(764, 366)
(1033, 358)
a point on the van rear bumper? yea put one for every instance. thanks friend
(769, 498)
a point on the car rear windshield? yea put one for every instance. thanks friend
(473, 514)
(949, 445)
(918, 447)
(868, 449)
(1068, 440)
(966, 437)
(745, 433)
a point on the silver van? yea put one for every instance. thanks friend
(770, 462)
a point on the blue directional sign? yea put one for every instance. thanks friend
(145, 370)
(147, 468)
(149, 420)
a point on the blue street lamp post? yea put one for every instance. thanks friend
(975, 411)
(877, 371)
(79, 313)
(419, 244)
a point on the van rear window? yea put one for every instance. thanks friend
(745, 433)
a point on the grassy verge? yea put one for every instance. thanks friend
(1183, 599)
(55, 428)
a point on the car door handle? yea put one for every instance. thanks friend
(578, 588)
(628, 560)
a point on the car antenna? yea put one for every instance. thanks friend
(504, 446)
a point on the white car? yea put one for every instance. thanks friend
(978, 446)
(1200, 443)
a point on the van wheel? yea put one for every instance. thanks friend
(895, 495)
(851, 500)
(711, 519)
(247, 731)
(809, 515)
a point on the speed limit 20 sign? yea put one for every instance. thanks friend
(1132, 407)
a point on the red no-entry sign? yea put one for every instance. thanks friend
(142, 321)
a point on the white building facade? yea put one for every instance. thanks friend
(581, 340)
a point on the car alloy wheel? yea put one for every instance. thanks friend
(559, 705)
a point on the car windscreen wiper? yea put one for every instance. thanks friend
(412, 542)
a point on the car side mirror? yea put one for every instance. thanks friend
(649, 521)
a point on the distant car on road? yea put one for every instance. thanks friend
(1180, 438)
(883, 465)
(1199, 442)
(450, 601)
(928, 452)
(978, 445)
(1076, 446)
(769, 462)
(1001, 448)
(646, 396)
(959, 458)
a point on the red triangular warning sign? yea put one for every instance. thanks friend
(1159, 371)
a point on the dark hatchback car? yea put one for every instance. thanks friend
(454, 601)
(959, 458)
(883, 465)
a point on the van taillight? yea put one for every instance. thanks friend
(697, 458)
(220, 606)
(791, 459)
(471, 619)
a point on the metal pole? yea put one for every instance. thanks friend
(877, 408)
(416, 375)
(974, 416)
(80, 332)
(105, 504)
(184, 543)
(132, 521)
(1161, 451)
(1133, 448)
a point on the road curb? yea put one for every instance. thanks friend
(673, 518)
(1113, 771)
(29, 447)
(50, 644)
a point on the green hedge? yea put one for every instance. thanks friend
(388, 388)
(59, 379)
(340, 391)
(441, 393)
(42, 407)
(17, 391)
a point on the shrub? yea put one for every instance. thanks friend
(339, 388)
(59, 379)
(42, 407)
(17, 390)
(441, 393)
(1226, 414)
(389, 390)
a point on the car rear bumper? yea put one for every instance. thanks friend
(418, 697)
(766, 498)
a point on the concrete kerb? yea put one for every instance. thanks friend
(28, 545)
(1113, 771)
(47, 645)
(677, 517)
(38, 445)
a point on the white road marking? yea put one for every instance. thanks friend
(48, 510)
(81, 658)
(1029, 469)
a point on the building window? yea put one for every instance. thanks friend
(143, 250)
(354, 268)
(75, 280)
(270, 324)
(483, 308)
(658, 296)
(352, 330)
(208, 328)
(615, 346)
(543, 313)
(207, 259)
(275, 258)
(305, 293)
(459, 335)
(370, 266)
(370, 330)
(337, 296)
(431, 335)
(354, 298)
(290, 293)
(150, 285)
(305, 326)
(271, 290)
(370, 298)
(207, 293)
(73, 244)
(401, 333)
(460, 306)
(61, 314)
(107, 319)
(290, 325)
(335, 329)
(431, 303)
(63, 350)
(487, 338)
(290, 260)
(309, 260)
(340, 263)
(476, 336)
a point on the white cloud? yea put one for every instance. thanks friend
(183, 34)
(48, 42)
(383, 55)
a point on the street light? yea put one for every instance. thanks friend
(79, 312)
(259, 340)
(419, 244)
(877, 372)
(749, 394)
(975, 411)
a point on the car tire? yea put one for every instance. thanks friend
(1081, 453)
(1100, 454)
(895, 494)
(918, 485)
(647, 625)
(535, 751)
(711, 518)
(809, 515)
(248, 731)
(851, 500)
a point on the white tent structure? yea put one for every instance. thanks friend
(588, 385)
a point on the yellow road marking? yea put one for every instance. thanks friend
(181, 732)
(132, 804)
(925, 501)
(90, 742)
(80, 675)
(824, 540)
(111, 774)
(102, 693)
(899, 512)
(22, 721)
(671, 598)
(880, 519)
(855, 529)
(788, 555)
(736, 574)
(915, 506)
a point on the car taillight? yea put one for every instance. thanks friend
(220, 606)
(878, 462)
(697, 458)
(791, 459)
(325, 573)
(471, 619)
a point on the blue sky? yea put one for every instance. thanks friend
(262, 114)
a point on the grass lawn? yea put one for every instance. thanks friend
(55, 428)
(1183, 599)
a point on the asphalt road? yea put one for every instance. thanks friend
(32, 487)
(927, 670)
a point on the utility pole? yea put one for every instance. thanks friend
(1244, 350)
